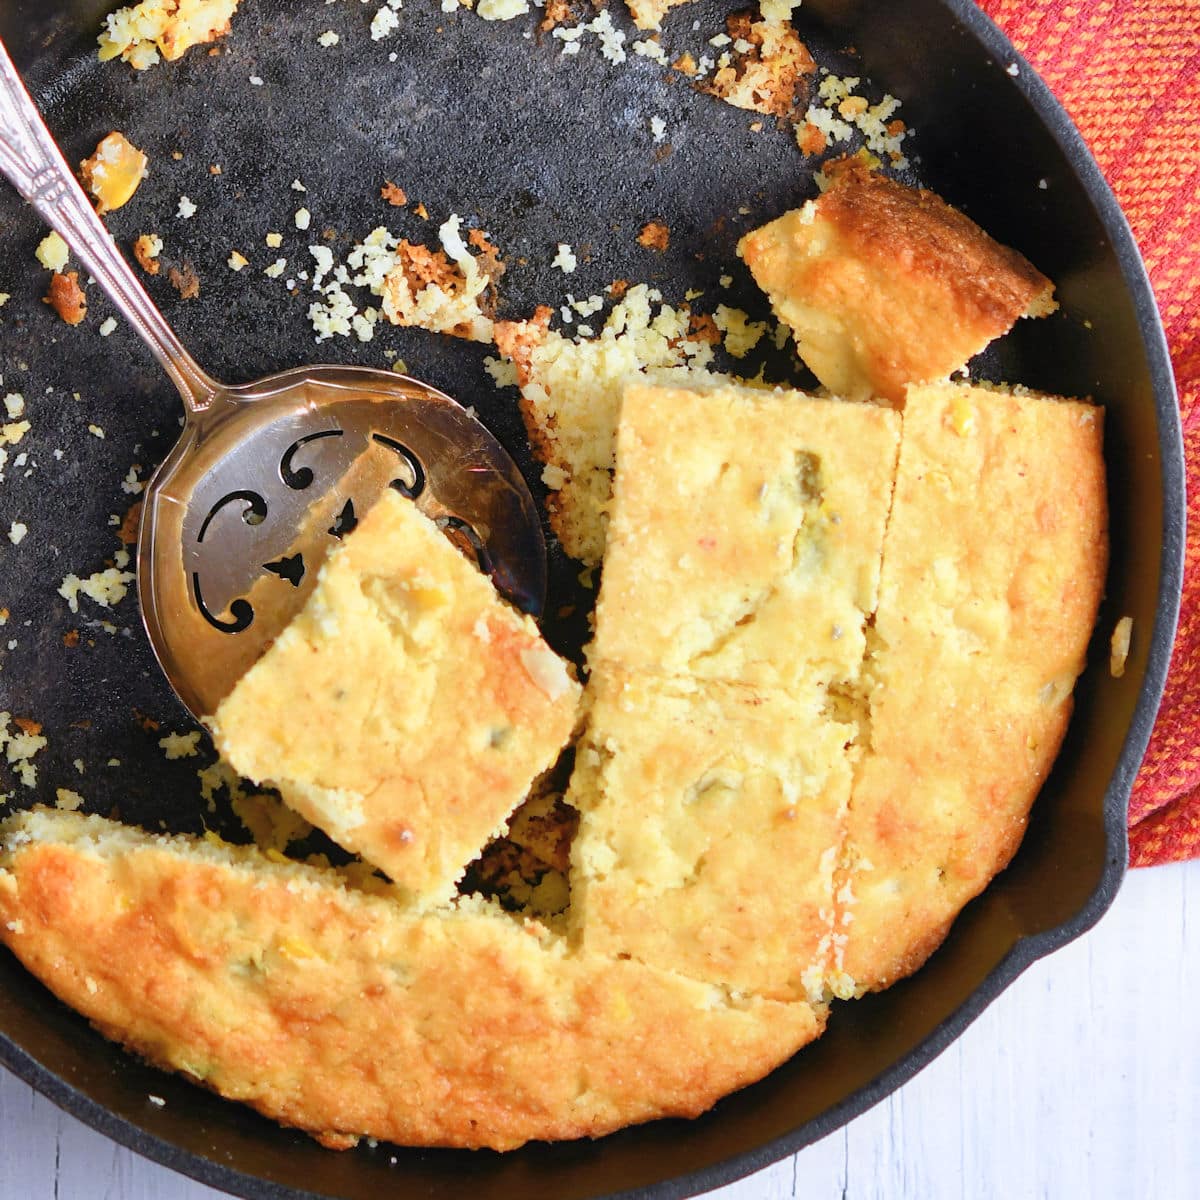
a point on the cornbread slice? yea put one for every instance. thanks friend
(711, 821)
(346, 1015)
(747, 551)
(993, 566)
(571, 395)
(884, 285)
(407, 709)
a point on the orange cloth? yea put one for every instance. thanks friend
(1128, 72)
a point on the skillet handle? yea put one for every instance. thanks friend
(33, 163)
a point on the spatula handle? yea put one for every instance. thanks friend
(33, 163)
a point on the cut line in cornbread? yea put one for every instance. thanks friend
(747, 551)
(347, 1015)
(884, 285)
(407, 709)
(993, 567)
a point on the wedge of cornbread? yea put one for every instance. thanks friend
(749, 550)
(884, 285)
(993, 567)
(407, 709)
(347, 1014)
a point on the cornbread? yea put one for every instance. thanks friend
(748, 551)
(141, 32)
(359, 711)
(571, 394)
(884, 285)
(648, 14)
(347, 1015)
(445, 291)
(710, 826)
(993, 566)
(113, 172)
(769, 75)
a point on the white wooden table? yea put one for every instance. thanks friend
(1081, 1081)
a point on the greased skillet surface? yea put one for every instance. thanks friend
(536, 148)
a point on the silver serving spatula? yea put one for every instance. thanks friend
(267, 476)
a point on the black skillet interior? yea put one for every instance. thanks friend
(537, 148)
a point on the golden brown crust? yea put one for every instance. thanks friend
(994, 563)
(885, 285)
(343, 1015)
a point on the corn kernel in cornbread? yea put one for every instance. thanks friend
(711, 819)
(347, 1015)
(993, 566)
(747, 551)
(884, 285)
(407, 709)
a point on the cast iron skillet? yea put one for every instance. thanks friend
(539, 148)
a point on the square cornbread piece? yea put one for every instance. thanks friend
(748, 550)
(407, 709)
(884, 285)
(993, 567)
(711, 821)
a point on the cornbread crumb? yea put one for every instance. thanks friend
(385, 21)
(237, 260)
(654, 236)
(52, 252)
(106, 588)
(67, 298)
(146, 249)
(445, 291)
(768, 70)
(114, 172)
(571, 393)
(180, 745)
(1122, 635)
(65, 800)
(141, 32)
(741, 334)
(185, 281)
(21, 745)
(274, 240)
(501, 10)
(564, 260)
(14, 405)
